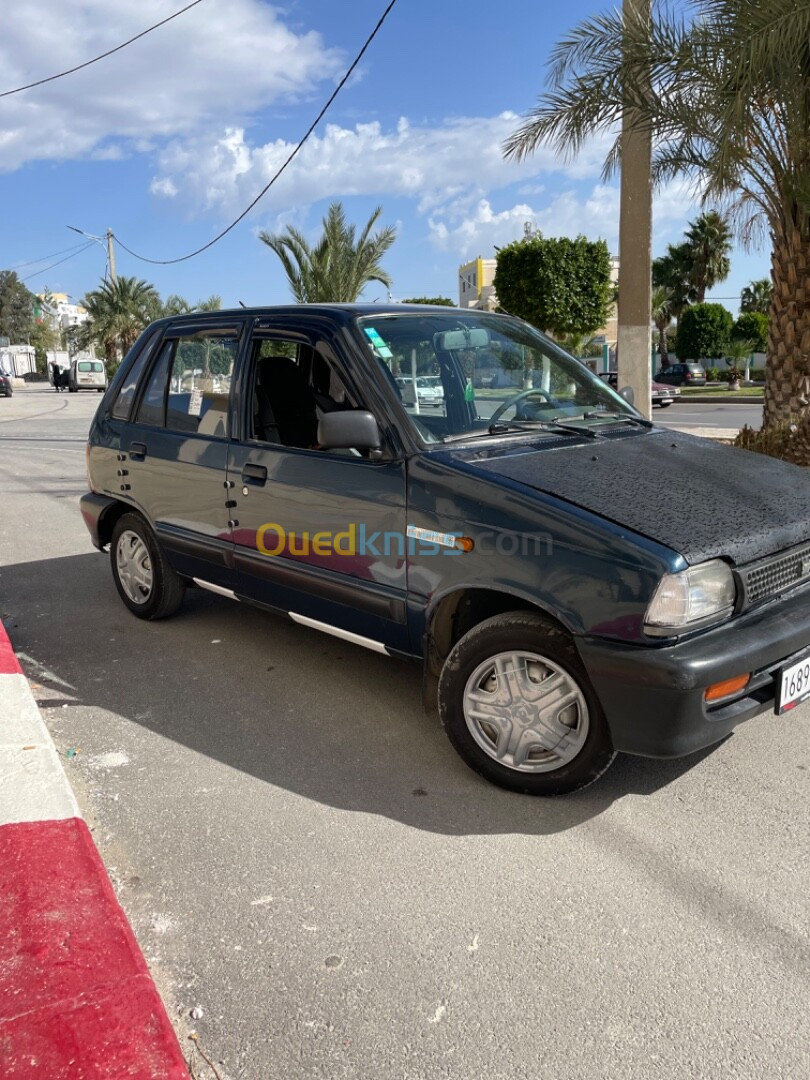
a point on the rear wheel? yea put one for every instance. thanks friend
(517, 705)
(145, 581)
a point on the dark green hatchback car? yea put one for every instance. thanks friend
(518, 543)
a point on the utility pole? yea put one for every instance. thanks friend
(111, 255)
(635, 247)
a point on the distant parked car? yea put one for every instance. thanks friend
(661, 395)
(428, 389)
(683, 375)
(6, 389)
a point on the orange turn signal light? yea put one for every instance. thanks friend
(465, 543)
(727, 686)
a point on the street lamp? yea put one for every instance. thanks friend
(101, 240)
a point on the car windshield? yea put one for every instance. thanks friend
(497, 373)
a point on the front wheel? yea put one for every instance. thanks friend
(517, 705)
(145, 581)
(664, 404)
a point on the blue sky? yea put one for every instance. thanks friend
(168, 140)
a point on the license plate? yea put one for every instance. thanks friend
(794, 685)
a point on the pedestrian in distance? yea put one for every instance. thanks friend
(56, 370)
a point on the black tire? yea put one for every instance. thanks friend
(524, 631)
(167, 588)
(665, 404)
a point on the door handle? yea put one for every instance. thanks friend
(255, 473)
(137, 451)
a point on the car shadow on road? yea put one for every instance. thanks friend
(295, 708)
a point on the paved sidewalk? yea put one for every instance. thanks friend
(77, 1001)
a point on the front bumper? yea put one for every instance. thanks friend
(653, 698)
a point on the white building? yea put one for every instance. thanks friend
(17, 359)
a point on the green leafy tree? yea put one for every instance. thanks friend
(436, 301)
(338, 267)
(16, 309)
(118, 312)
(561, 286)
(725, 94)
(752, 327)
(708, 243)
(704, 332)
(756, 296)
(44, 336)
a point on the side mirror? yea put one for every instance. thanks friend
(627, 393)
(354, 429)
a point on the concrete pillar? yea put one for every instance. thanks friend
(635, 251)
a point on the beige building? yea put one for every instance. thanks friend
(475, 288)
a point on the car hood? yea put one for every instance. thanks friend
(697, 497)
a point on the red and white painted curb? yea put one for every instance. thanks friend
(77, 1001)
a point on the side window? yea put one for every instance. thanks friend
(200, 383)
(123, 402)
(152, 409)
(293, 385)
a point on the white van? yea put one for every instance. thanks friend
(87, 375)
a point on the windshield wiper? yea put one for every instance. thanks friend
(500, 427)
(623, 417)
(555, 424)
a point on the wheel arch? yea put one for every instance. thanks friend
(453, 614)
(107, 520)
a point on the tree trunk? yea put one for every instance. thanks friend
(662, 346)
(787, 367)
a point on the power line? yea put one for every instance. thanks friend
(45, 269)
(53, 254)
(95, 60)
(266, 188)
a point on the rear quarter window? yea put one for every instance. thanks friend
(126, 395)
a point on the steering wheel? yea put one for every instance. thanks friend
(519, 401)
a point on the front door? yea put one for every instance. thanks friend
(318, 534)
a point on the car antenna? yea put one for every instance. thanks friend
(241, 304)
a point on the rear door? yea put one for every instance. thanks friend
(176, 449)
(319, 534)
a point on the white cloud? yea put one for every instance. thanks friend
(164, 186)
(458, 161)
(218, 60)
(478, 230)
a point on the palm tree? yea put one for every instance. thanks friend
(662, 316)
(213, 303)
(118, 311)
(337, 269)
(756, 296)
(673, 272)
(726, 97)
(708, 240)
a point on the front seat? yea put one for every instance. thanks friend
(291, 402)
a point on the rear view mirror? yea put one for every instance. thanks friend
(354, 429)
(627, 393)
(451, 340)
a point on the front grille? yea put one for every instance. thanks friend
(775, 574)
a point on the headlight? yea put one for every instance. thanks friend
(694, 597)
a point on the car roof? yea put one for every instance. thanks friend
(340, 312)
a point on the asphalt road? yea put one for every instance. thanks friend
(304, 857)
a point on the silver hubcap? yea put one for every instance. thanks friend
(526, 712)
(134, 567)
